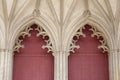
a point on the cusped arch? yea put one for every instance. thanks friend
(30, 21)
(93, 21)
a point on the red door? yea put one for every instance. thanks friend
(88, 62)
(33, 62)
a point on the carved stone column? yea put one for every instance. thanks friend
(119, 64)
(6, 65)
(114, 65)
(65, 65)
(60, 66)
(1, 64)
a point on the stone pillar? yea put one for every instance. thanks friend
(114, 65)
(1, 64)
(56, 66)
(6, 65)
(60, 66)
(119, 64)
(65, 65)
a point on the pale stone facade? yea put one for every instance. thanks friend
(60, 19)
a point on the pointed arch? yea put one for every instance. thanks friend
(78, 24)
(39, 60)
(41, 32)
(93, 21)
(88, 62)
(30, 20)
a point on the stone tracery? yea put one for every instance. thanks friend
(103, 42)
(26, 32)
(96, 33)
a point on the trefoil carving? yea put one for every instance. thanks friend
(48, 45)
(18, 41)
(73, 42)
(102, 41)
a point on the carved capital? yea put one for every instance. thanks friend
(115, 51)
(6, 50)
